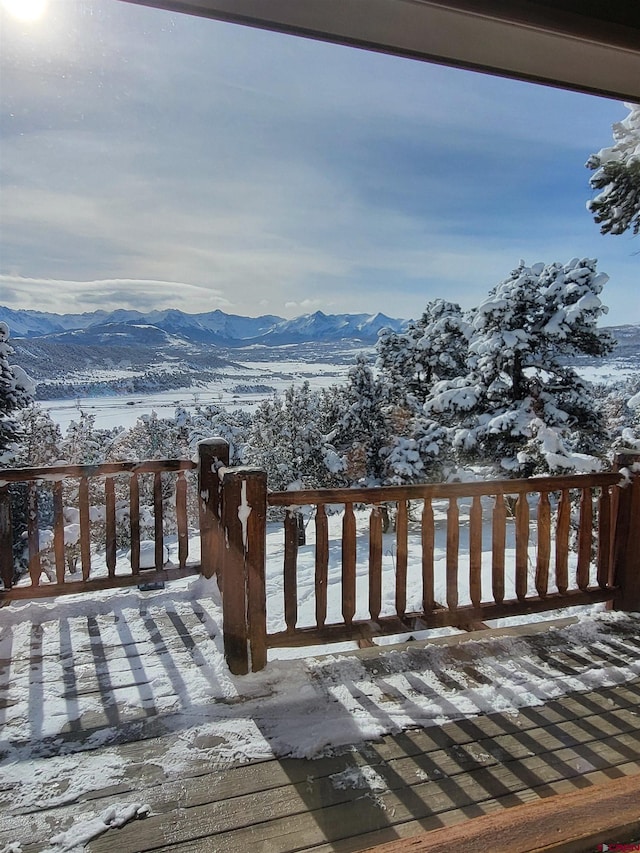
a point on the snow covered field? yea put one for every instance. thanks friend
(243, 388)
(234, 390)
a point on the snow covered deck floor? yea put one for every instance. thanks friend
(130, 703)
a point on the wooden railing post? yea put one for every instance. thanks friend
(213, 454)
(6, 538)
(626, 541)
(244, 513)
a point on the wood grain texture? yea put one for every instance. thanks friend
(428, 546)
(585, 539)
(58, 531)
(348, 564)
(572, 823)
(213, 456)
(6, 538)
(522, 546)
(255, 553)
(234, 597)
(322, 565)
(33, 534)
(375, 562)
(110, 525)
(543, 556)
(181, 519)
(402, 530)
(498, 544)
(290, 579)
(134, 521)
(380, 494)
(562, 541)
(453, 545)
(158, 520)
(475, 551)
(603, 556)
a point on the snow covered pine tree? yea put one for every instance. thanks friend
(16, 392)
(616, 208)
(519, 406)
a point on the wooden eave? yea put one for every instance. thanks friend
(585, 45)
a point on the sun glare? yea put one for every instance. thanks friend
(25, 10)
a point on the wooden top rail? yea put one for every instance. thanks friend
(380, 494)
(104, 469)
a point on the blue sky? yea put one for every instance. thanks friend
(154, 160)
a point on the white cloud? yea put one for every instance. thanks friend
(58, 296)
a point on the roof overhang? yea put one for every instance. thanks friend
(585, 45)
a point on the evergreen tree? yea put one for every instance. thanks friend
(40, 438)
(616, 207)
(360, 425)
(630, 435)
(151, 437)
(287, 440)
(430, 350)
(16, 392)
(519, 405)
(213, 420)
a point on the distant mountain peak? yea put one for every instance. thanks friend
(214, 327)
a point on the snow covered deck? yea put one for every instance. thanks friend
(122, 701)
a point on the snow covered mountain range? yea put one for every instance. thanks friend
(215, 327)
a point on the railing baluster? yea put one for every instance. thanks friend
(6, 538)
(585, 536)
(453, 543)
(322, 564)
(58, 530)
(475, 551)
(110, 524)
(181, 519)
(134, 520)
(522, 545)
(401, 561)
(158, 520)
(428, 541)
(604, 537)
(562, 542)
(544, 545)
(290, 569)
(613, 516)
(85, 528)
(498, 544)
(33, 533)
(375, 562)
(348, 564)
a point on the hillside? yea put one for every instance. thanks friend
(127, 352)
(215, 327)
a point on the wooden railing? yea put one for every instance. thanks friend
(84, 491)
(552, 542)
(593, 533)
(573, 543)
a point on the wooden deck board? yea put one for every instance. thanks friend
(574, 822)
(417, 779)
(279, 803)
